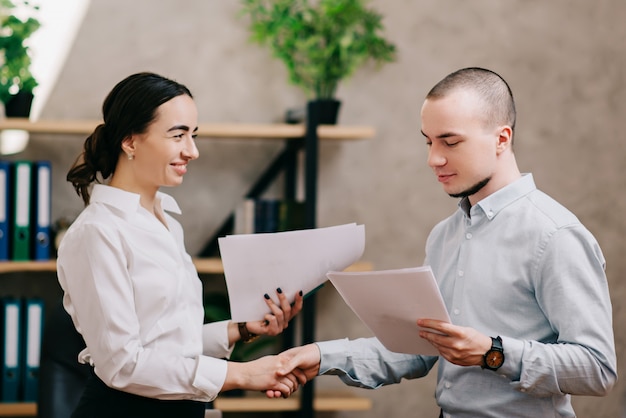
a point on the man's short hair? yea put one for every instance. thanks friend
(491, 88)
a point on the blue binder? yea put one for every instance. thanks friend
(22, 206)
(10, 327)
(42, 184)
(32, 327)
(5, 216)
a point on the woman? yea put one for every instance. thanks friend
(130, 286)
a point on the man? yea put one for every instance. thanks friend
(522, 278)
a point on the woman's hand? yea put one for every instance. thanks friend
(273, 324)
(262, 375)
(278, 320)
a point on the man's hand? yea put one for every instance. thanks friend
(462, 346)
(262, 375)
(301, 362)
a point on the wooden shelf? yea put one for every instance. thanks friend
(18, 409)
(19, 266)
(214, 266)
(205, 130)
(203, 265)
(252, 402)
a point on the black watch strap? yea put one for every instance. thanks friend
(494, 357)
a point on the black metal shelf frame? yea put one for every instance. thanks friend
(287, 162)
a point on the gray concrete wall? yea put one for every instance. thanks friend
(564, 59)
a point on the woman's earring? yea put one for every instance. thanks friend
(131, 156)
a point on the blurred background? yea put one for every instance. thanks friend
(564, 60)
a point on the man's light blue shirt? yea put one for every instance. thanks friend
(520, 266)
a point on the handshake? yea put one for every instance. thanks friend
(278, 375)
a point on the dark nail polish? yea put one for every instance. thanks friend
(266, 296)
(266, 322)
(300, 293)
(279, 290)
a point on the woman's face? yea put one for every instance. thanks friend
(161, 153)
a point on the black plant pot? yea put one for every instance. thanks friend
(325, 111)
(18, 106)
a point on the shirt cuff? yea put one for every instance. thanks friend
(215, 340)
(210, 376)
(513, 352)
(333, 356)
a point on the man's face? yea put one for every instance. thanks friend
(462, 147)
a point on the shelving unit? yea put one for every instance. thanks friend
(274, 131)
(324, 402)
(28, 409)
(211, 265)
(296, 137)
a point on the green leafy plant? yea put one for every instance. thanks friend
(15, 57)
(321, 42)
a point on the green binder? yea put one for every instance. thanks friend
(22, 199)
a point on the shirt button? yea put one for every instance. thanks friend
(456, 311)
(468, 236)
(490, 214)
(461, 273)
(447, 385)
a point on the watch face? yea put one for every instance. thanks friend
(494, 359)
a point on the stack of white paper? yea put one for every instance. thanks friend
(390, 302)
(258, 264)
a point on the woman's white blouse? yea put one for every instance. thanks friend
(134, 294)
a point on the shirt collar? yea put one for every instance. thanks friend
(127, 201)
(497, 201)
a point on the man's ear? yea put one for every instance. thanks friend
(505, 138)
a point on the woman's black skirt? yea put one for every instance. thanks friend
(100, 401)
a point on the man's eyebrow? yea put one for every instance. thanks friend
(441, 136)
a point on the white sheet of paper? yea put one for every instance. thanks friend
(256, 264)
(389, 302)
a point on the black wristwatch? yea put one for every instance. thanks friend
(494, 357)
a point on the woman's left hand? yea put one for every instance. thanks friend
(276, 321)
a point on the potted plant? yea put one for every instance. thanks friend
(16, 81)
(321, 42)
